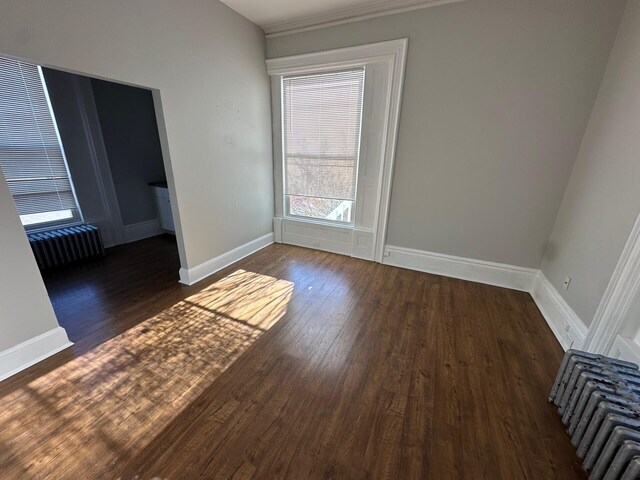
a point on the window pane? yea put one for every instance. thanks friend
(321, 208)
(322, 117)
(46, 217)
(31, 154)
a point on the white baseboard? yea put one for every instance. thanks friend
(565, 324)
(498, 274)
(563, 321)
(189, 276)
(141, 230)
(32, 351)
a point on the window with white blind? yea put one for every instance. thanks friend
(321, 120)
(31, 154)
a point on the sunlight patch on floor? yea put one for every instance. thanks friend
(103, 407)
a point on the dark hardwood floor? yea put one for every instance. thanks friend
(97, 300)
(292, 363)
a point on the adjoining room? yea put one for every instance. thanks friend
(83, 162)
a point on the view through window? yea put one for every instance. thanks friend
(322, 117)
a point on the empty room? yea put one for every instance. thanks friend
(346, 239)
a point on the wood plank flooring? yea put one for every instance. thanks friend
(292, 363)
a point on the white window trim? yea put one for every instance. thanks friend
(624, 285)
(394, 52)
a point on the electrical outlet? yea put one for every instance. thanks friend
(315, 243)
(567, 282)
(386, 253)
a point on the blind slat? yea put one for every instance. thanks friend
(31, 156)
(322, 114)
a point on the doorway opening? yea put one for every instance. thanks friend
(83, 161)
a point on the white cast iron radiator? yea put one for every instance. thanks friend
(599, 400)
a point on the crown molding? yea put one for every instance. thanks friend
(346, 57)
(356, 13)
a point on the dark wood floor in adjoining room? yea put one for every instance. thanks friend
(292, 363)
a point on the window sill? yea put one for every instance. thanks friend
(324, 223)
(55, 226)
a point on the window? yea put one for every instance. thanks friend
(31, 154)
(322, 115)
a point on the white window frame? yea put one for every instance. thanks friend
(346, 238)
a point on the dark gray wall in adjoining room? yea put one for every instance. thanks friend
(63, 92)
(130, 133)
(77, 119)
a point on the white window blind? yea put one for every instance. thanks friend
(31, 154)
(322, 115)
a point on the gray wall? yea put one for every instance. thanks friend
(602, 200)
(25, 310)
(206, 64)
(497, 97)
(130, 133)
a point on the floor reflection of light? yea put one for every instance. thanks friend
(84, 291)
(104, 406)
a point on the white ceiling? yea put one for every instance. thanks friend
(276, 16)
